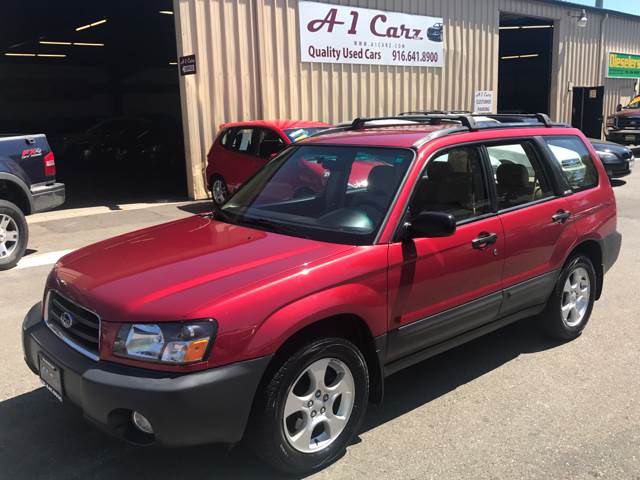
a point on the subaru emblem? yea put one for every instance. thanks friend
(66, 320)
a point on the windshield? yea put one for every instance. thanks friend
(328, 193)
(297, 134)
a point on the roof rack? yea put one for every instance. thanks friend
(435, 112)
(460, 122)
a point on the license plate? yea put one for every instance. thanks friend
(51, 377)
(630, 138)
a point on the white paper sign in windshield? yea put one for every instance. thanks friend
(341, 34)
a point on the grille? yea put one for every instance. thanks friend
(629, 122)
(76, 326)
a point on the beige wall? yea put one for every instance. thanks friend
(248, 65)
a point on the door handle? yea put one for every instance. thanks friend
(484, 239)
(561, 216)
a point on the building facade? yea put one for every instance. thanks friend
(248, 64)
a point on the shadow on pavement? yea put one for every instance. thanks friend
(40, 438)
(616, 182)
(203, 206)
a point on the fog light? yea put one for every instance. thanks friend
(141, 422)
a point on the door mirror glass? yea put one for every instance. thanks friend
(431, 224)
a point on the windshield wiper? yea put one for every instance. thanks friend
(268, 224)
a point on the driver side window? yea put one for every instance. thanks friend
(453, 182)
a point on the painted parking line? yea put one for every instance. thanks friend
(38, 260)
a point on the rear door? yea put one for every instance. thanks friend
(242, 156)
(442, 287)
(536, 221)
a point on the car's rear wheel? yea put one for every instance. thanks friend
(569, 308)
(219, 190)
(308, 411)
(14, 235)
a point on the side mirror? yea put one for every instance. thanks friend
(431, 225)
(619, 107)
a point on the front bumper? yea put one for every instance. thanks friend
(624, 137)
(46, 197)
(619, 169)
(184, 409)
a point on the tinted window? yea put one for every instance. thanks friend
(269, 143)
(518, 174)
(575, 161)
(453, 183)
(336, 194)
(225, 138)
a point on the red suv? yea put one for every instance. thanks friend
(243, 148)
(280, 316)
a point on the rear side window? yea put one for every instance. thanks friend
(575, 160)
(518, 174)
(243, 141)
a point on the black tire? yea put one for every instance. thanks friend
(552, 318)
(216, 181)
(266, 432)
(17, 248)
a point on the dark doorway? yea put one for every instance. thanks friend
(588, 105)
(524, 72)
(99, 78)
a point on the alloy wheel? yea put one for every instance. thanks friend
(219, 191)
(318, 405)
(9, 236)
(575, 297)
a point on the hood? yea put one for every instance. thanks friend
(630, 112)
(164, 273)
(605, 146)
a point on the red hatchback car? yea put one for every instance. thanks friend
(277, 317)
(243, 148)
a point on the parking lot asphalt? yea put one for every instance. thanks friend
(510, 405)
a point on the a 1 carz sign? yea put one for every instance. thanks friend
(339, 34)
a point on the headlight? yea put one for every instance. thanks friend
(612, 122)
(607, 157)
(175, 343)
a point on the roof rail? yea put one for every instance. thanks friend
(431, 119)
(435, 112)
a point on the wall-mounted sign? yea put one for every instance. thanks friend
(483, 102)
(623, 65)
(340, 34)
(188, 65)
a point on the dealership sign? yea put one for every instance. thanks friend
(340, 34)
(623, 65)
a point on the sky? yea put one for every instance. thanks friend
(628, 6)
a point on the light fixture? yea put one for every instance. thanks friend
(91, 25)
(47, 55)
(173, 63)
(77, 44)
(583, 20)
(513, 57)
(525, 27)
(166, 12)
(51, 42)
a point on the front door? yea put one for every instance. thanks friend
(442, 287)
(588, 105)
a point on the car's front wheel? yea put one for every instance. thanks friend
(308, 411)
(14, 235)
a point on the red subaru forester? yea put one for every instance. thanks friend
(280, 316)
